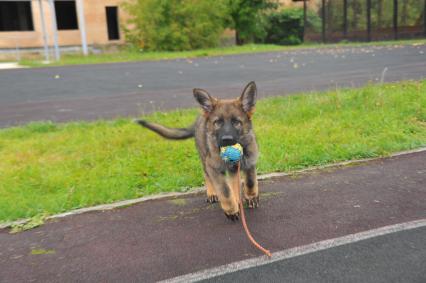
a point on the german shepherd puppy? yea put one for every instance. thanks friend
(222, 123)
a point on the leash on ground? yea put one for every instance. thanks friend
(243, 218)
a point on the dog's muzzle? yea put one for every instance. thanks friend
(227, 140)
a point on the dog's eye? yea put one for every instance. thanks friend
(236, 123)
(218, 123)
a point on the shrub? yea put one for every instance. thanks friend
(286, 26)
(175, 25)
(247, 18)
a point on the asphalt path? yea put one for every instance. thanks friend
(396, 257)
(88, 92)
(169, 238)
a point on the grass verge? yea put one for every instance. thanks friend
(130, 56)
(49, 168)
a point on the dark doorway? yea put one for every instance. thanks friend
(66, 15)
(16, 16)
(112, 23)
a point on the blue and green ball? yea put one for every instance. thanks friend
(232, 153)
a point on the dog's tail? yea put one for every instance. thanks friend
(169, 133)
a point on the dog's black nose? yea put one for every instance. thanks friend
(227, 140)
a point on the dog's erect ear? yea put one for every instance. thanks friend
(204, 99)
(248, 98)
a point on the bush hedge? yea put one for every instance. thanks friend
(175, 25)
(285, 27)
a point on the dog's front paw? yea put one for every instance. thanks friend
(252, 202)
(212, 199)
(234, 216)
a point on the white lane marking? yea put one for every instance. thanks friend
(297, 251)
(196, 190)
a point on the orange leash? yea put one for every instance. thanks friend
(243, 219)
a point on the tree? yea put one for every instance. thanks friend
(247, 18)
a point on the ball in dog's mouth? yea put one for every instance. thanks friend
(232, 153)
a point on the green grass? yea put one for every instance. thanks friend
(51, 168)
(127, 55)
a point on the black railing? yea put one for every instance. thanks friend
(364, 20)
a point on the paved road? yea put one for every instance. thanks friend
(123, 89)
(398, 257)
(162, 239)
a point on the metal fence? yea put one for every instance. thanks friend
(364, 20)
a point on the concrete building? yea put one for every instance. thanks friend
(27, 23)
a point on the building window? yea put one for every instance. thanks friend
(16, 16)
(66, 15)
(112, 23)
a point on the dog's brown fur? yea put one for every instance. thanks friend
(223, 118)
